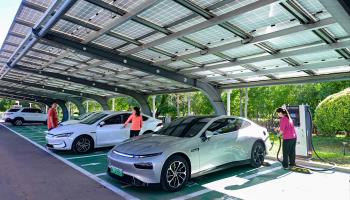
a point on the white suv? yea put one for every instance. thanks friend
(18, 116)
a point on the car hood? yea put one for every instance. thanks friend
(71, 128)
(69, 122)
(147, 144)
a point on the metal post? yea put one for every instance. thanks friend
(30, 105)
(228, 107)
(177, 106)
(87, 105)
(113, 104)
(69, 111)
(154, 106)
(46, 108)
(240, 102)
(189, 104)
(246, 103)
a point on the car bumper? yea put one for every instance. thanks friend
(135, 175)
(7, 120)
(58, 143)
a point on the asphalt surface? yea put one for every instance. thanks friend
(28, 173)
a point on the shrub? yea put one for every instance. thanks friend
(332, 115)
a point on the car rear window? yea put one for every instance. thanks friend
(13, 110)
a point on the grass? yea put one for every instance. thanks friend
(328, 148)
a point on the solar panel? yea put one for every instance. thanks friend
(232, 6)
(127, 47)
(318, 57)
(126, 5)
(14, 39)
(177, 47)
(70, 29)
(108, 41)
(21, 29)
(270, 64)
(151, 55)
(179, 65)
(153, 37)
(294, 40)
(262, 17)
(207, 59)
(213, 36)
(29, 15)
(187, 24)
(256, 78)
(337, 31)
(132, 29)
(332, 70)
(290, 74)
(165, 12)
(242, 51)
(44, 3)
(93, 14)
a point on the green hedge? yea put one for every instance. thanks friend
(332, 115)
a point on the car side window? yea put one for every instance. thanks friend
(236, 124)
(125, 117)
(27, 110)
(218, 126)
(37, 111)
(113, 120)
(144, 118)
(245, 124)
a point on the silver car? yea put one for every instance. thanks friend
(187, 148)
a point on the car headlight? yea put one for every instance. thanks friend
(137, 156)
(64, 134)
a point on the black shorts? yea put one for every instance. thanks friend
(134, 133)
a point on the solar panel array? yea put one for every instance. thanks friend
(258, 41)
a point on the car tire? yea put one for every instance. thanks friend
(45, 122)
(257, 154)
(17, 122)
(174, 182)
(83, 144)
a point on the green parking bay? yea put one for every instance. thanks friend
(244, 182)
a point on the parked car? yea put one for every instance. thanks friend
(187, 148)
(18, 116)
(100, 130)
(80, 118)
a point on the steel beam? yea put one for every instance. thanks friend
(257, 39)
(286, 81)
(204, 25)
(104, 54)
(312, 66)
(79, 103)
(340, 10)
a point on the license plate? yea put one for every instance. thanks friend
(116, 171)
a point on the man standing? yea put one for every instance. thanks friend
(52, 118)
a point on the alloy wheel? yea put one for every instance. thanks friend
(259, 154)
(83, 144)
(176, 174)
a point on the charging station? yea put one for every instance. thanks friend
(302, 119)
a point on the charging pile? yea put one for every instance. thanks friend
(302, 120)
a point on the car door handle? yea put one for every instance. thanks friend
(194, 150)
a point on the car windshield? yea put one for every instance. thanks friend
(83, 116)
(94, 118)
(13, 110)
(184, 127)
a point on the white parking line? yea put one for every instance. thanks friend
(91, 164)
(83, 171)
(77, 157)
(200, 192)
(101, 174)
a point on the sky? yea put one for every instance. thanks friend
(8, 9)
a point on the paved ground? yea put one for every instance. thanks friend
(238, 183)
(28, 173)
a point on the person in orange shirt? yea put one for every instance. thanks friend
(136, 119)
(52, 118)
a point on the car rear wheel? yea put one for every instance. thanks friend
(175, 174)
(17, 122)
(83, 144)
(258, 154)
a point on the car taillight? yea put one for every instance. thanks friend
(160, 124)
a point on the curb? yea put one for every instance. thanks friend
(316, 164)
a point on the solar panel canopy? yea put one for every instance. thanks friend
(225, 43)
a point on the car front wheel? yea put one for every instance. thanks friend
(175, 174)
(82, 144)
(18, 122)
(258, 154)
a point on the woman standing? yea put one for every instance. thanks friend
(136, 119)
(289, 137)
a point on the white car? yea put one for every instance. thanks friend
(100, 130)
(75, 121)
(18, 116)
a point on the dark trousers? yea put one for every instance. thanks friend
(134, 133)
(288, 149)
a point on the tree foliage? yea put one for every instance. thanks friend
(332, 115)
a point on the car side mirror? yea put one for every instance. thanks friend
(102, 123)
(207, 135)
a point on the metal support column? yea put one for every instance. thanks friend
(103, 102)
(78, 102)
(246, 103)
(113, 104)
(154, 106)
(177, 106)
(188, 104)
(228, 107)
